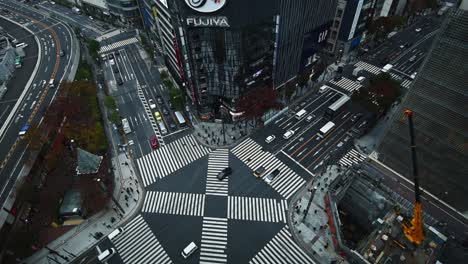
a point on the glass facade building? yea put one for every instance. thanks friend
(439, 99)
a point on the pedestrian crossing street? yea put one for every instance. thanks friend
(166, 160)
(137, 244)
(174, 203)
(217, 161)
(214, 240)
(149, 114)
(118, 44)
(368, 67)
(281, 249)
(347, 84)
(251, 153)
(256, 209)
(351, 158)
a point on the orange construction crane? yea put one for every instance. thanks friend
(414, 229)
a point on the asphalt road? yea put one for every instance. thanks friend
(53, 36)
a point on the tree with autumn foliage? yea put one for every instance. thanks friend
(379, 95)
(255, 103)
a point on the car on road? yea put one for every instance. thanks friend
(310, 118)
(154, 142)
(270, 139)
(270, 177)
(158, 116)
(91, 18)
(258, 172)
(61, 53)
(361, 79)
(111, 56)
(172, 126)
(23, 130)
(288, 134)
(112, 62)
(165, 111)
(117, 53)
(413, 75)
(119, 80)
(103, 57)
(418, 30)
(151, 103)
(224, 173)
(171, 106)
(159, 99)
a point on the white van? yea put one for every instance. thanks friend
(188, 250)
(323, 89)
(288, 134)
(361, 79)
(107, 254)
(115, 233)
(162, 127)
(51, 83)
(301, 114)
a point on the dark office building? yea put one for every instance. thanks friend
(225, 48)
(439, 99)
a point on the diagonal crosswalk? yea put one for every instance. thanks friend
(251, 153)
(118, 44)
(166, 160)
(346, 84)
(217, 161)
(174, 203)
(368, 67)
(214, 240)
(256, 209)
(351, 158)
(281, 249)
(137, 244)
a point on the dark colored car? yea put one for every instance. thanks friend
(111, 56)
(117, 53)
(224, 173)
(269, 178)
(172, 126)
(119, 81)
(159, 99)
(171, 106)
(115, 69)
(165, 111)
(62, 53)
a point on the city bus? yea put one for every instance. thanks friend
(126, 126)
(327, 128)
(180, 119)
(336, 106)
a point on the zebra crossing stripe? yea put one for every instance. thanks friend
(347, 84)
(406, 84)
(256, 209)
(368, 67)
(217, 161)
(139, 245)
(214, 240)
(281, 249)
(174, 203)
(251, 153)
(170, 158)
(351, 158)
(118, 44)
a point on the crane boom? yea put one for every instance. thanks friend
(414, 230)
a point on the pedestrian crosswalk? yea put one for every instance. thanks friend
(118, 44)
(346, 84)
(214, 240)
(406, 84)
(166, 160)
(256, 209)
(396, 77)
(351, 158)
(174, 203)
(251, 153)
(217, 161)
(281, 249)
(368, 67)
(137, 244)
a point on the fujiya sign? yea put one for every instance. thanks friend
(220, 21)
(205, 6)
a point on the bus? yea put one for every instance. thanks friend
(326, 129)
(301, 114)
(336, 106)
(126, 126)
(180, 119)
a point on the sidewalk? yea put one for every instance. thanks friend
(127, 194)
(313, 232)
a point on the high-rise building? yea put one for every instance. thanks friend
(224, 48)
(439, 99)
(125, 11)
